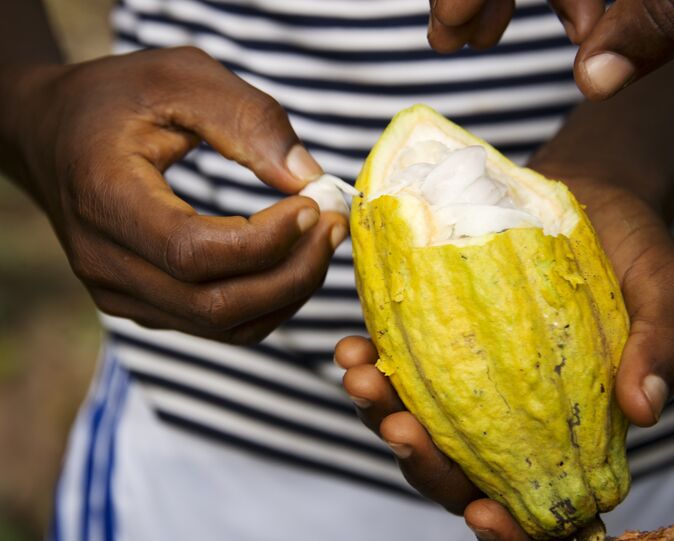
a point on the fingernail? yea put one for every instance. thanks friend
(302, 164)
(306, 219)
(400, 450)
(337, 235)
(608, 72)
(362, 403)
(484, 535)
(657, 392)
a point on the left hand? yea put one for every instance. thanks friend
(618, 46)
(638, 243)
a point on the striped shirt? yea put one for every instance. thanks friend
(342, 69)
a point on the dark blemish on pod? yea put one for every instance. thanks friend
(528, 461)
(535, 484)
(602, 388)
(562, 510)
(567, 325)
(484, 433)
(612, 295)
(561, 464)
(573, 422)
(538, 365)
(464, 257)
(558, 368)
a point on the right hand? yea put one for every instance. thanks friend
(93, 141)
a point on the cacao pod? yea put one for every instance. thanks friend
(497, 318)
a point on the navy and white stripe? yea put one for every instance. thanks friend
(342, 69)
(88, 511)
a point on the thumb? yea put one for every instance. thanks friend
(631, 39)
(646, 376)
(241, 122)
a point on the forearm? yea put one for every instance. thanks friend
(25, 35)
(624, 141)
(27, 46)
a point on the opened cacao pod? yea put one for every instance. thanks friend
(497, 318)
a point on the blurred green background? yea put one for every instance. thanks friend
(49, 334)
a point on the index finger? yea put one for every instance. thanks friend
(132, 204)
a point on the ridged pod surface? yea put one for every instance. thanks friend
(505, 349)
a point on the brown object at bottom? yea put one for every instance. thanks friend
(661, 534)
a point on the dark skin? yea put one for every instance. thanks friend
(89, 142)
(637, 35)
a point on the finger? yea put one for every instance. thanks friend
(355, 350)
(453, 13)
(241, 122)
(220, 305)
(640, 248)
(446, 39)
(132, 205)
(256, 330)
(426, 468)
(492, 522)
(646, 375)
(372, 393)
(122, 305)
(630, 40)
(492, 23)
(578, 16)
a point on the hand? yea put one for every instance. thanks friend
(424, 466)
(618, 46)
(642, 252)
(93, 141)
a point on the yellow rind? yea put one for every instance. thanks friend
(505, 350)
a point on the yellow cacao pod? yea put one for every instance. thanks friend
(505, 343)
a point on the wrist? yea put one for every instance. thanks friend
(591, 175)
(22, 112)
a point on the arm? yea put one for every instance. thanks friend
(616, 158)
(91, 141)
(26, 41)
(25, 35)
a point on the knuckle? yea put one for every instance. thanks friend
(660, 15)
(85, 264)
(181, 253)
(211, 309)
(88, 193)
(189, 54)
(304, 279)
(255, 113)
(252, 247)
